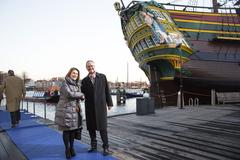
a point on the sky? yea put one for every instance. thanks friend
(45, 38)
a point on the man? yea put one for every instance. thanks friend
(14, 91)
(97, 100)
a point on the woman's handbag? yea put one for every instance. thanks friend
(78, 132)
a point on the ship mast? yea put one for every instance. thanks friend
(123, 6)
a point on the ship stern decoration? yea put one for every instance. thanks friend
(153, 39)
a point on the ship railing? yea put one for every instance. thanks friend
(180, 7)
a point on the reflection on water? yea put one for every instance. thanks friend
(129, 107)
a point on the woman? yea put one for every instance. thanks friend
(68, 109)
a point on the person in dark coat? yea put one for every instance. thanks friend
(68, 109)
(97, 100)
(15, 91)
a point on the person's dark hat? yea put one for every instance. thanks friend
(10, 72)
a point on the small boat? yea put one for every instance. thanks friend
(42, 96)
(133, 95)
(53, 97)
(129, 93)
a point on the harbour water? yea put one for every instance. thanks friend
(128, 107)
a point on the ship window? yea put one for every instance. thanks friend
(136, 49)
(155, 39)
(127, 31)
(144, 45)
(130, 28)
(133, 24)
(139, 47)
(158, 14)
(149, 42)
(138, 20)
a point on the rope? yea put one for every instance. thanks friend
(164, 95)
(175, 93)
(193, 93)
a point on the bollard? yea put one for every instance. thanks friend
(145, 106)
(121, 96)
(178, 99)
(213, 97)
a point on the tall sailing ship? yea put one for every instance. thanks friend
(185, 48)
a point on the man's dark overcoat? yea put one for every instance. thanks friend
(97, 98)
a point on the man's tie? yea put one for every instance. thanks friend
(92, 78)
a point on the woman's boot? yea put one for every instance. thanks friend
(68, 153)
(72, 151)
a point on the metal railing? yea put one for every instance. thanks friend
(193, 102)
(29, 105)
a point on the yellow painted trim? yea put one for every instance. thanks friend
(168, 56)
(203, 13)
(133, 43)
(187, 49)
(205, 22)
(228, 38)
(137, 30)
(207, 31)
(166, 78)
(163, 46)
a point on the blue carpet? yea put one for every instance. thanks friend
(39, 142)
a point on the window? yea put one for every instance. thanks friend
(133, 24)
(138, 20)
(149, 42)
(158, 14)
(155, 39)
(139, 47)
(144, 45)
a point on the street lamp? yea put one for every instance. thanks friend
(180, 75)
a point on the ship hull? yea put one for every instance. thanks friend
(166, 92)
(205, 76)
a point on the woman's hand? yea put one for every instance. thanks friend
(78, 109)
